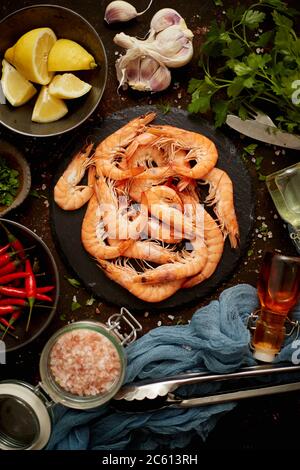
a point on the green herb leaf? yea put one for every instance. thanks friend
(250, 252)
(73, 282)
(221, 109)
(218, 3)
(262, 177)
(75, 306)
(253, 18)
(234, 49)
(165, 108)
(90, 301)
(250, 149)
(264, 39)
(235, 87)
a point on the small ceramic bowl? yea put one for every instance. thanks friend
(16, 161)
(69, 25)
(41, 315)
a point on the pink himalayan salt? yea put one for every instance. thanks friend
(85, 363)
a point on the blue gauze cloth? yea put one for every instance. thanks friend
(216, 340)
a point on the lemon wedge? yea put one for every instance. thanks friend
(9, 55)
(30, 55)
(48, 108)
(16, 89)
(67, 56)
(68, 86)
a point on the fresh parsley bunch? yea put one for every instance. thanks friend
(9, 183)
(257, 67)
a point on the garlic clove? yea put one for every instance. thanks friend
(121, 11)
(161, 79)
(164, 18)
(148, 68)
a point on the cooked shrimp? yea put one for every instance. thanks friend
(112, 149)
(157, 230)
(221, 194)
(67, 193)
(188, 263)
(147, 250)
(93, 234)
(170, 216)
(139, 185)
(124, 274)
(214, 242)
(114, 212)
(199, 149)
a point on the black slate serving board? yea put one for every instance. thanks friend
(67, 225)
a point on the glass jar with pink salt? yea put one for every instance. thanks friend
(82, 366)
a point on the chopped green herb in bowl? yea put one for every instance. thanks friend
(15, 178)
(9, 183)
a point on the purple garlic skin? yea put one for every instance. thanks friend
(165, 18)
(143, 74)
(120, 11)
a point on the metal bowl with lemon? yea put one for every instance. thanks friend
(54, 70)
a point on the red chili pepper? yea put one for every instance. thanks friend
(43, 297)
(6, 323)
(13, 301)
(4, 249)
(10, 267)
(43, 290)
(4, 259)
(30, 286)
(6, 309)
(15, 316)
(22, 293)
(14, 242)
(13, 292)
(12, 277)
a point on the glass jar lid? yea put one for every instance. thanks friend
(25, 419)
(83, 365)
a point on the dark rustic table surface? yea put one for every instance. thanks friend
(256, 423)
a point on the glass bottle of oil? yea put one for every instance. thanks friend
(284, 187)
(278, 291)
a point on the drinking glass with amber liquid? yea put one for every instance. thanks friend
(278, 292)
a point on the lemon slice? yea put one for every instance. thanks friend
(48, 108)
(30, 55)
(67, 55)
(68, 86)
(17, 90)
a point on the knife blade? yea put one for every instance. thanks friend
(263, 132)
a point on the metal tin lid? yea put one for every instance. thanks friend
(25, 422)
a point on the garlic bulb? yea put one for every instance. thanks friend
(164, 18)
(118, 11)
(143, 74)
(144, 66)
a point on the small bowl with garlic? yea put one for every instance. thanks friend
(54, 70)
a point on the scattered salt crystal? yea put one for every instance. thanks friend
(74, 298)
(146, 314)
(270, 234)
(257, 50)
(283, 151)
(159, 323)
(253, 160)
(44, 187)
(275, 216)
(259, 235)
(46, 202)
(171, 317)
(179, 95)
(259, 217)
(277, 152)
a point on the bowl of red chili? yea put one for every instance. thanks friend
(29, 285)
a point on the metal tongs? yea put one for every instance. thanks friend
(154, 395)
